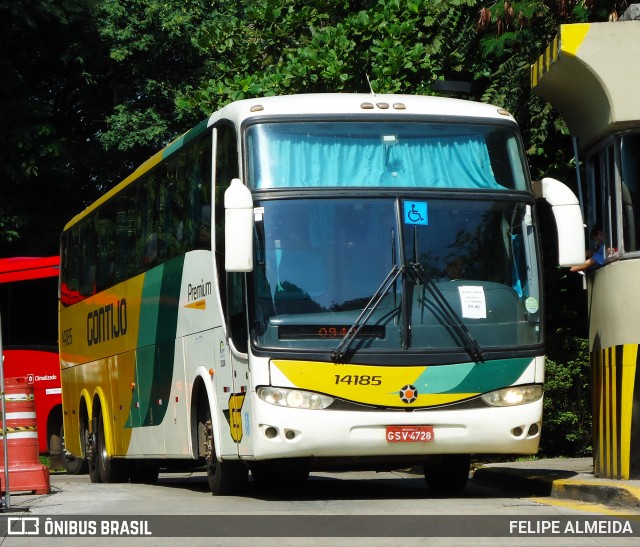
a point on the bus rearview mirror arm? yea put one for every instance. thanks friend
(238, 228)
(568, 217)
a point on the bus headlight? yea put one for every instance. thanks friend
(511, 396)
(294, 398)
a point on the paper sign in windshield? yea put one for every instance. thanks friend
(472, 300)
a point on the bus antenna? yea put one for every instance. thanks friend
(370, 86)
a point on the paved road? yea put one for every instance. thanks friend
(361, 506)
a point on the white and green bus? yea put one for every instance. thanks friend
(310, 282)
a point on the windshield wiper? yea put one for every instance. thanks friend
(470, 345)
(344, 345)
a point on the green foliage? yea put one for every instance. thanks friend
(9, 226)
(47, 106)
(567, 405)
(151, 58)
(298, 46)
(130, 129)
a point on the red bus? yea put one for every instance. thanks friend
(28, 291)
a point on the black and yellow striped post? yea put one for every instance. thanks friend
(616, 412)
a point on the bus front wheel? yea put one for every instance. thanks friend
(227, 476)
(448, 474)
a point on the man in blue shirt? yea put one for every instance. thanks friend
(595, 258)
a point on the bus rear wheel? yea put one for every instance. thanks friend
(55, 450)
(110, 470)
(448, 474)
(90, 452)
(71, 464)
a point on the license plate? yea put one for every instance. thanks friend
(409, 433)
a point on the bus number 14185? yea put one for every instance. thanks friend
(356, 380)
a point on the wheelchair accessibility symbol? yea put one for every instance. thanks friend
(415, 212)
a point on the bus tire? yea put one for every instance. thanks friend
(111, 470)
(225, 477)
(448, 474)
(71, 464)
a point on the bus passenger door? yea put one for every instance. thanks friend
(240, 406)
(232, 385)
(236, 355)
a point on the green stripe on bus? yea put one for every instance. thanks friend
(492, 375)
(165, 340)
(156, 343)
(473, 377)
(185, 139)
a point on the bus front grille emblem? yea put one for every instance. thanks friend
(408, 394)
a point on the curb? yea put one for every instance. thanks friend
(559, 484)
(615, 495)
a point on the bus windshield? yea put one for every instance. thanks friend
(384, 154)
(459, 263)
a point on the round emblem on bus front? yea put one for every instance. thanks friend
(408, 394)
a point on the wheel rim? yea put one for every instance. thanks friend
(210, 456)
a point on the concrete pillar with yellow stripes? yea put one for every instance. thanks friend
(590, 74)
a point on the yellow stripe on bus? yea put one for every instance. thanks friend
(375, 385)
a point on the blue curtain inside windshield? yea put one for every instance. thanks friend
(286, 159)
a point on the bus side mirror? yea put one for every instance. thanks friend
(238, 228)
(568, 216)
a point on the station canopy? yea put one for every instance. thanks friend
(590, 73)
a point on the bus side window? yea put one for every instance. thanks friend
(171, 211)
(147, 248)
(105, 247)
(125, 236)
(236, 311)
(87, 277)
(69, 266)
(198, 216)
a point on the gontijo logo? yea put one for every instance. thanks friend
(107, 322)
